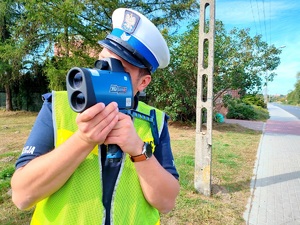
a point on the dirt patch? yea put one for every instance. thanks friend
(180, 132)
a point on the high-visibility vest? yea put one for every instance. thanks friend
(79, 200)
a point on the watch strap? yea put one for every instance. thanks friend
(143, 156)
(138, 158)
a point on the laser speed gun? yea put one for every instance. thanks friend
(107, 82)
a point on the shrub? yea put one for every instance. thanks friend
(261, 113)
(257, 100)
(241, 111)
(250, 107)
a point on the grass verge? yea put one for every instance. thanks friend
(233, 156)
(14, 130)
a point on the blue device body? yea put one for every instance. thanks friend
(87, 87)
(106, 83)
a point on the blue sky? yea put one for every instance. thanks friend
(279, 23)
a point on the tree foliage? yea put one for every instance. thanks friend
(293, 97)
(10, 49)
(29, 30)
(241, 63)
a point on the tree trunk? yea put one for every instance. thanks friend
(8, 100)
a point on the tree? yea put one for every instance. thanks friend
(76, 27)
(16, 43)
(294, 96)
(241, 63)
(30, 29)
(29, 89)
(6, 68)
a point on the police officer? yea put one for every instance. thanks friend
(66, 174)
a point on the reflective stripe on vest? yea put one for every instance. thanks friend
(79, 201)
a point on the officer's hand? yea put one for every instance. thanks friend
(95, 123)
(124, 135)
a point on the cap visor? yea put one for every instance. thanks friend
(121, 52)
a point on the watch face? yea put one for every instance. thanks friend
(148, 152)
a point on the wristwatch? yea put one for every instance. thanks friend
(146, 153)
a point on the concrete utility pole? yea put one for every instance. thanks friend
(203, 145)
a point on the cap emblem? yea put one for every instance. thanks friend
(125, 37)
(130, 21)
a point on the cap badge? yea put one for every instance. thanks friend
(125, 37)
(130, 21)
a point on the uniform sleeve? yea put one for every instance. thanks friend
(41, 138)
(163, 152)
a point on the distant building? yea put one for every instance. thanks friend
(219, 105)
(78, 44)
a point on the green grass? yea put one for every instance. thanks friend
(233, 156)
(14, 129)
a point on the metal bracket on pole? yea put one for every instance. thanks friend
(203, 145)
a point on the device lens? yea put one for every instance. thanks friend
(77, 81)
(80, 100)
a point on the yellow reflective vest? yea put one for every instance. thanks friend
(79, 200)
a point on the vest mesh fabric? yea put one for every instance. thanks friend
(67, 206)
(128, 201)
(79, 201)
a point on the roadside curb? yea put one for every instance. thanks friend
(254, 178)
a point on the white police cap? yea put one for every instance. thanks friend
(137, 40)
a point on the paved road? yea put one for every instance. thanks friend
(254, 125)
(295, 110)
(275, 186)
